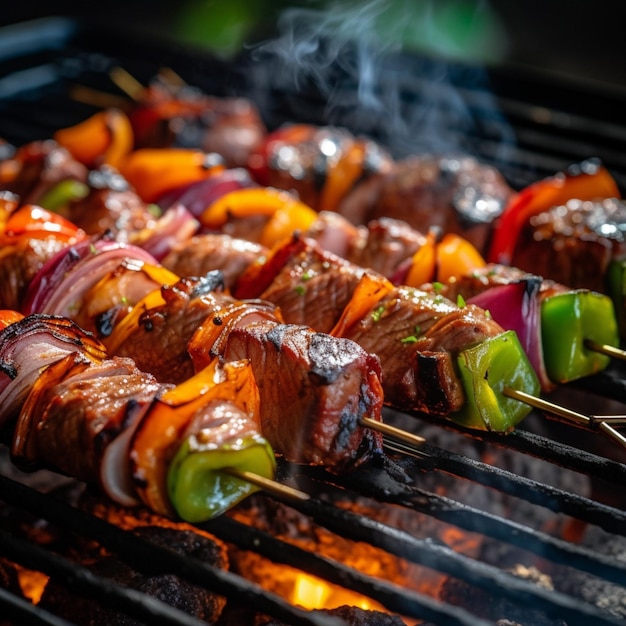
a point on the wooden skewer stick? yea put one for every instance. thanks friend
(398, 434)
(612, 351)
(127, 83)
(97, 98)
(604, 423)
(269, 485)
(548, 407)
(171, 77)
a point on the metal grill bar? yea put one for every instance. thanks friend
(83, 581)
(391, 596)
(138, 553)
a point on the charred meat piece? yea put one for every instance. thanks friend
(416, 335)
(298, 278)
(179, 115)
(79, 406)
(574, 243)
(110, 205)
(161, 585)
(314, 388)
(457, 194)
(159, 343)
(18, 265)
(39, 166)
(210, 251)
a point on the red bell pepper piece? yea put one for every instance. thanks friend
(588, 181)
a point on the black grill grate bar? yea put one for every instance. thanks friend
(24, 612)
(546, 449)
(496, 527)
(394, 598)
(97, 588)
(557, 500)
(445, 560)
(139, 553)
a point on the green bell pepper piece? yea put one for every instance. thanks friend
(486, 369)
(57, 198)
(567, 320)
(197, 486)
(616, 289)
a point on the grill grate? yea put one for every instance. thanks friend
(525, 125)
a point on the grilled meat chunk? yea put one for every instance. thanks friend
(210, 251)
(80, 406)
(457, 194)
(314, 388)
(574, 243)
(110, 205)
(18, 265)
(159, 342)
(416, 335)
(320, 164)
(40, 166)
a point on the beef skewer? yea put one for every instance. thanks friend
(70, 279)
(95, 404)
(211, 425)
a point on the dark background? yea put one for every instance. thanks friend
(582, 41)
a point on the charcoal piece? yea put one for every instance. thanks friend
(352, 616)
(166, 587)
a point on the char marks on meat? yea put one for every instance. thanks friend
(417, 337)
(574, 243)
(457, 194)
(314, 388)
(79, 405)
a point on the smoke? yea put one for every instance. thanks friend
(348, 65)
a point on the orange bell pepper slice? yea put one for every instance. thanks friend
(342, 176)
(157, 437)
(129, 323)
(102, 139)
(155, 171)
(8, 317)
(258, 201)
(590, 183)
(443, 259)
(287, 220)
(370, 290)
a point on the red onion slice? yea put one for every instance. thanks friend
(199, 195)
(516, 307)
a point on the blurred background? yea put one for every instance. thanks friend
(581, 41)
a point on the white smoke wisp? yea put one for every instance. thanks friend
(351, 55)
